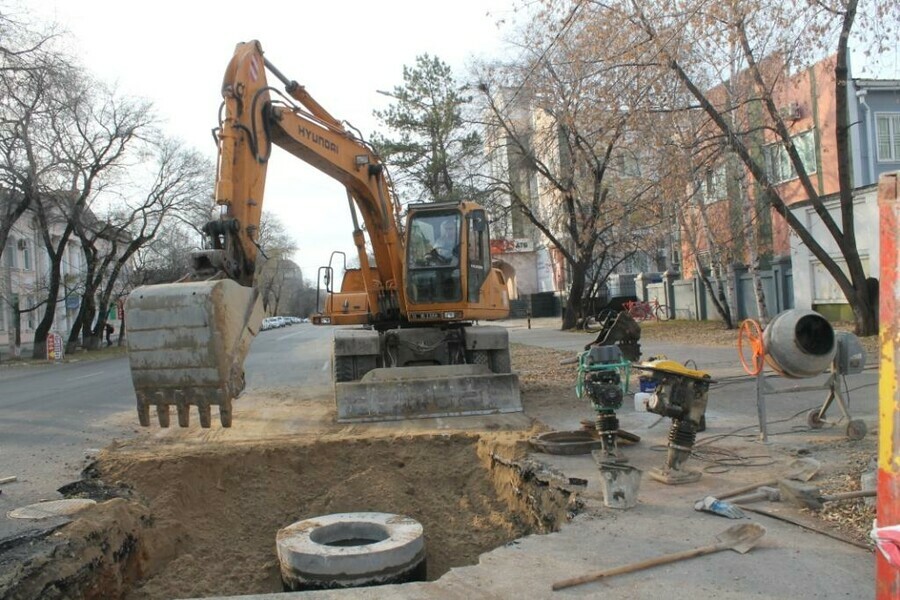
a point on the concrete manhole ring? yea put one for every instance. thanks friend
(351, 550)
(54, 508)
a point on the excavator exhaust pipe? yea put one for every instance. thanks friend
(186, 346)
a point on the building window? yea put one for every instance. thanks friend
(716, 185)
(26, 255)
(30, 315)
(888, 135)
(9, 254)
(779, 167)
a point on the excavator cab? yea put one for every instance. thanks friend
(448, 264)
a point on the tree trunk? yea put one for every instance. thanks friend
(75, 332)
(762, 310)
(43, 329)
(690, 236)
(716, 294)
(573, 310)
(15, 346)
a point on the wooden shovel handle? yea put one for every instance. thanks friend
(848, 495)
(747, 488)
(652, 562)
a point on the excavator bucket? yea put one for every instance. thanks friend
(186, 345)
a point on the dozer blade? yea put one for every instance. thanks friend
(394, 394)
(186, 345)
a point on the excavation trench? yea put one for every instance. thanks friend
(203, 523)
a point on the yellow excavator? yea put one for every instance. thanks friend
(413, 350)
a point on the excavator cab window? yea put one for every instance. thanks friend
(479, 252)
(433, 257)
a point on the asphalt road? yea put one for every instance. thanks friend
(54, 417)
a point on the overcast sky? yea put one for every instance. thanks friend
(175, 53)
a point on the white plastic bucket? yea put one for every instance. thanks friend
(640, 401)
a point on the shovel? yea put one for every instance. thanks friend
(740, 538)
(809, 496)
(801, 469)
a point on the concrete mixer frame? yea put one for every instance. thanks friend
(838, 371)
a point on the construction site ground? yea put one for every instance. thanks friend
(501, 520)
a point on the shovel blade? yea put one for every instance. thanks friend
(803, 469)
(741, 538)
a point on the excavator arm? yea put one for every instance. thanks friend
(252, 124)
(187, 341)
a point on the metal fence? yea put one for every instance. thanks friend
(689, 299)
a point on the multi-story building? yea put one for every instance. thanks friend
(532, 264)
(806, 103)
(24, 275)
(516, 245)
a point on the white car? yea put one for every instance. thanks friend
(271, 323)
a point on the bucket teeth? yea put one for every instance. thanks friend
(143, 411)
(184, 414)
(162, 414)
(205, 415)
(225, 413)
(163, 401)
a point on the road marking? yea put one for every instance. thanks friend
(88, 375)
(325, 366)
(284, 337)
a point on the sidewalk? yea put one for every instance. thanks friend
(789, 562)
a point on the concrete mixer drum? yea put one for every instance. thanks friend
(799, 343)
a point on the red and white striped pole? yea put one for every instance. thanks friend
(887, 527)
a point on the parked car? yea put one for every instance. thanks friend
(272, 323)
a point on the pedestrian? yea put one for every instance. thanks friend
(109, 331)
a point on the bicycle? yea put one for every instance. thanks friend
(641, 311)
(594, 323)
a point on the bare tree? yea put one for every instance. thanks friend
(26, 60)
(276, 274)
(180, 178)
(74, 153)
(568, 125)
(774, 38)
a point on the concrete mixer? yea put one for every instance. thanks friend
(800, 344)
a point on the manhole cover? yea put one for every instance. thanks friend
(566, 442)
(54, 508)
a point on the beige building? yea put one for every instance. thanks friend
(24, 275)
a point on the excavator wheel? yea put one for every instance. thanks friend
(343, 369)
(500, 361)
